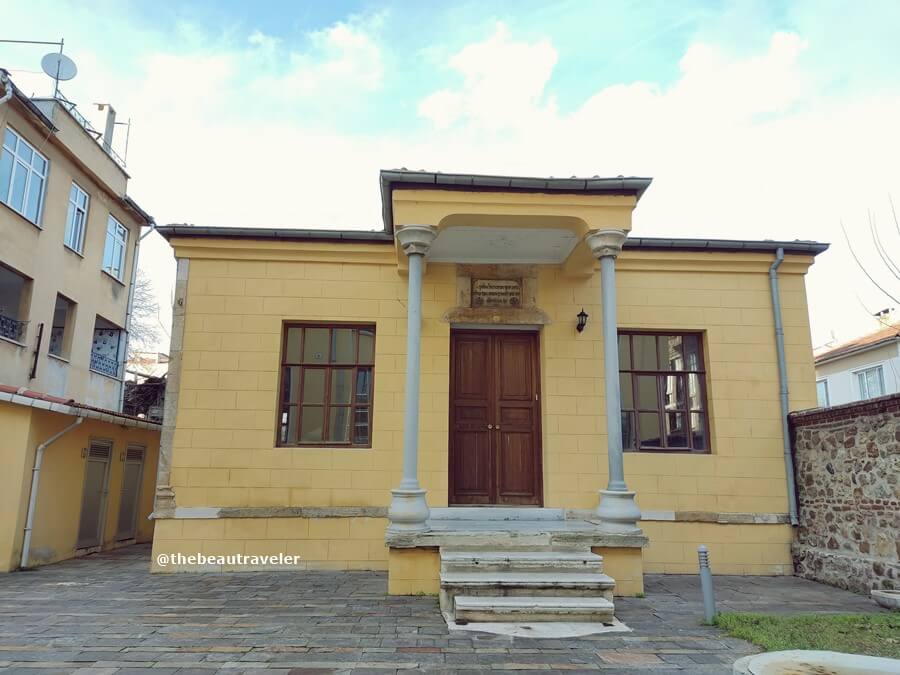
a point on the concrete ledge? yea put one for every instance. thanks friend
(463, 533)
(214, 512)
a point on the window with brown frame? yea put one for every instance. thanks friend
(663, 385)
(326, 385)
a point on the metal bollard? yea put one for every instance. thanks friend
(706, 584)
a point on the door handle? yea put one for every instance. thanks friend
(490, 426)
(498, 427)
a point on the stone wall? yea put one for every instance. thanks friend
(847, 461)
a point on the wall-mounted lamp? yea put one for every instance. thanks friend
(582, 320)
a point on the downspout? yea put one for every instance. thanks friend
(129, 311)
(35, 482)
(783, 387)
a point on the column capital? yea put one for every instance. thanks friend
(416, 239)
(606, 243)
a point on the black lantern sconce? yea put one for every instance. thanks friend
(582, 320)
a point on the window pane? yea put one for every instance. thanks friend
(311, 424)
(343, 345)
(341, 385)
(691, 351)
(339, 424)
(292, 345)
(644, 352)
(646, 392)
(20, 176)
(70, 225)
(874, 383)
(39, 164)
(624, 353)
(628, 430)
(669, 347)
(366, 345)
(288, 431)
(35, 190)
(674, 394)
(676, 430)
(698, 430)
(315, 347)
(24, 153)
(695, 392)
(9, 139)
(626, 393)
(361, 426)
(822, 393)
(6, 166)
(291, 385)
(648, 428)
(313, 385)
(363, 385)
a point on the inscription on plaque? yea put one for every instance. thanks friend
(496, 292)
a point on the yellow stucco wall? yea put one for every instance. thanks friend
(240, 293)
(321, 543)
(62, 482)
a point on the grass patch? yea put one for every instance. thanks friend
(871, 634)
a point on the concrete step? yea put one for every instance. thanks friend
(497, 513)
(526, 609)
(561, 562)
(524, 584)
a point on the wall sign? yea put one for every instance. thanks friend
(496, 292)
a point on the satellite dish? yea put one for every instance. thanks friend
(59, 66)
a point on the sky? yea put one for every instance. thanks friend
(756, 120)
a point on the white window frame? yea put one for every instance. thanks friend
(74, 239)
(117, 237)
(862, 385)
(827, 403)
(19, 164)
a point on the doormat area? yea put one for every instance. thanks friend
(547, 629)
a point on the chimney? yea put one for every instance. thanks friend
(110, 125)
(887, 317)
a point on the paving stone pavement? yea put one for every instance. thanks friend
(107, 614)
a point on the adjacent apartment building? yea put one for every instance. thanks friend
(502, 365)
(863, 368)
(78, 475)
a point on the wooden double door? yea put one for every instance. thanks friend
(495, 433)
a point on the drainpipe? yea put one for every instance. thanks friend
(35, 482)
(129, 312)
(783, 386)
(7, 85)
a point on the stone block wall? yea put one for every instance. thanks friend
(847, 461)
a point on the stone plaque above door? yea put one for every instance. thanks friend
(496, 292)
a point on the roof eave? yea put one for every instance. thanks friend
(295, 234)
(828, 357)
(813, 248)
(403, 179)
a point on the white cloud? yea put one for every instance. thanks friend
(503, 84)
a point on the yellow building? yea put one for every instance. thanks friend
(69, 238)
(393, 399)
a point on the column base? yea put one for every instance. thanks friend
(408, 511)
(618, 512)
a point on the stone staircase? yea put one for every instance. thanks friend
(525, 585)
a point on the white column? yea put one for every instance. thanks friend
(617, 510)
(409, 510)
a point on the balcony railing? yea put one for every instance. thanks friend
(104, 365)
(82, 120)
(10, 328)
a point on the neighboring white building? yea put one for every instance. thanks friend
(863, 368)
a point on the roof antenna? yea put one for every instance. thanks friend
(57, 65)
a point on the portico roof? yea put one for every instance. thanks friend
(397, 179)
